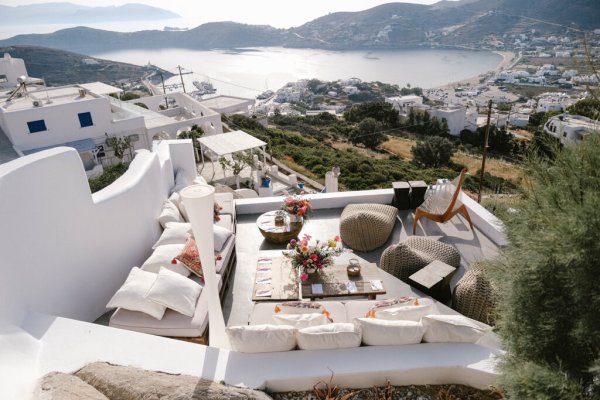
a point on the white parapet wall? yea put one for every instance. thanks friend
(65, 251)
(485, 221)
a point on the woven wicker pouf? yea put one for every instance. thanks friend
(365, 227)
(405, 258)
(475, 297)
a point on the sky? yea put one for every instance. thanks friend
(277, 13)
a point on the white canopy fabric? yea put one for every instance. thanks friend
(230, 142)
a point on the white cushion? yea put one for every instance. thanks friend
(453, 328)
(262, 313)
(131, 295)
(175, 291)
(221, 235)
(163, 256)
(174, 233)
(262, 338)
(176, 199)
(300, 321)
(408, 312)
(169, 213)
(380, 332)
(331, 336)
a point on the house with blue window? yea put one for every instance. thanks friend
(35, 117)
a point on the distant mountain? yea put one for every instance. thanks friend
(69, 13)
(59, 67)
(389, 26)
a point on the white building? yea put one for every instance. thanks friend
(570, 128)
(553, 102)
(10, 70)
(229, 105)
(350, 89)
(455, 116)
(404, 103)
(80, 116)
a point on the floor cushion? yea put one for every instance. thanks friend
(365, 227)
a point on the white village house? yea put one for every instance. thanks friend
(36, 117)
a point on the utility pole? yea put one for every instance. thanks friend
(164, 90)
(181, 76)
(485, 147)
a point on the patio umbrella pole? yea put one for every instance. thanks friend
(485, 147)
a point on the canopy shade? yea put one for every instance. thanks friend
(231, 142)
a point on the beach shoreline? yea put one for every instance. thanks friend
(508, 58)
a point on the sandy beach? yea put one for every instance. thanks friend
(508, 59)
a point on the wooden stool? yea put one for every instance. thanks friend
(401, 195)
(417, 193)
(434, 280)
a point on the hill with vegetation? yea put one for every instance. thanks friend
(388, 26)
(59, 67)
(64, 13)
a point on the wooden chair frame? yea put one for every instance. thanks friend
(450, 211)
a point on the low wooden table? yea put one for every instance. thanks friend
(434, 280)
(278, 234)
(277, 280)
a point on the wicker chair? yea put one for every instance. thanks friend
(365, 227)
(405, 258)
(475, 297)
(443, 204)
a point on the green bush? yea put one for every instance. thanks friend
(109, 175)
(433, 152)
(549, 280)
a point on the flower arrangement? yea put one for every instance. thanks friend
(312, 258)
(296, 205)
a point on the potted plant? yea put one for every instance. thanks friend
(266, 180)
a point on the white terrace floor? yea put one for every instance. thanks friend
(323, 224)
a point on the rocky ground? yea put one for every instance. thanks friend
(103, 381)
(433, 392)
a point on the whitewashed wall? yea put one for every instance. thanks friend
(61, 243)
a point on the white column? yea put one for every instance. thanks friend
(199, 202)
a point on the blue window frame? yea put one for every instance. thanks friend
(85, 119)
(37, 126)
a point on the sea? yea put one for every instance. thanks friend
(248, 72)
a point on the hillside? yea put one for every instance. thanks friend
(388, 26)
(65, 13)
(59, 67)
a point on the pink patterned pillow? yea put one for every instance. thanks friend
(190, 257)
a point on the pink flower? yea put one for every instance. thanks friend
(338, 238)
(289, 200)
(293, 242)
(303, 276)
(314, 257)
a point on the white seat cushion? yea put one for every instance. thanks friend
(300, 321)
(262, 338)
(225, 200)
(331, 336)
(175, 291)
(174, 233)
(221, 235)
(381, 332)
(360, 308)
(169, 213)
(132, 294)
(226, 221)
(453, 328)
(172, 324)
(226, 253)
(262, 313)
(163, 256)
